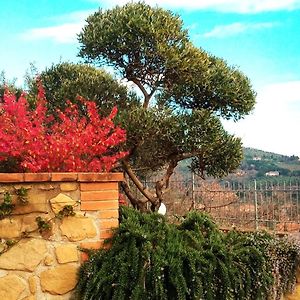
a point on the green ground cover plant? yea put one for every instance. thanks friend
(151, 258)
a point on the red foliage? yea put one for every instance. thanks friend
(69, 143)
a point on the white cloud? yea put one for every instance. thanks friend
(274, 124)
(222, 31)
(73, 17)
(237, 6)
(65, 33)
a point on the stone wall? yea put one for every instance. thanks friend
(43, 265)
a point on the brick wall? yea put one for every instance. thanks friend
(44, 265)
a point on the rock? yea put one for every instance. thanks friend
(10, 228)
(59, 280)
(37, 202)
(11, 287)
(31, 297)
(45, 187)
(32, 284)
(66, 253)
(24, 256)
(78, 228)
(68, 186)
(58, 203)
(29, 223)
(48, 261)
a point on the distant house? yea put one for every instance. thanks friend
(272, 173)
(240, 173)
(256, 158)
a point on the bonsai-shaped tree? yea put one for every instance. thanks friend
(183, 93)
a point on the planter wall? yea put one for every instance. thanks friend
(43, 265)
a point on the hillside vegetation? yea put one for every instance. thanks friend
(258, 163)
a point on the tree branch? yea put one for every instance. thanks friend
(138, 183)
(130, 196)
(164, 182)
(147, 96)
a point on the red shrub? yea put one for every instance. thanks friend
(71, 142)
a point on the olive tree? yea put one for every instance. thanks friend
(66, 81)
(183, 90)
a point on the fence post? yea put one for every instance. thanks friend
(193, 190)
(255, 205)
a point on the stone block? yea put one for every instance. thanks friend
(31, 297)
(48, 261)
(32, 284)
(45, 187)
(10, 228)
(61, 200)
(68, 186)
(59, 280)
(11, 287)
(24, 256)
(66, 253)
(37, 202)
(28, 222)
(78, 228)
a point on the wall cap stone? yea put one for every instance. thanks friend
(57, 177)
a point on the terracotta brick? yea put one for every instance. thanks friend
(64, 176)
(106, 234)
(99, 205)
(37, 177)
(99, 186)
(99, 195)
(11, 177)
(107, 224)
(89, 245)
(94, 177)
(107, 214)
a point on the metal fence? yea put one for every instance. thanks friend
(246, 205)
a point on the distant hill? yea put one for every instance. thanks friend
(258, 164)
(261, 164)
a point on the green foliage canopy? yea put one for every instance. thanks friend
(185, 92)
(150, 47)
(66, 81)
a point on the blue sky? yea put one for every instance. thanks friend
(261, 37)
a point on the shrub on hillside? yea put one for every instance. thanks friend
(150, 258)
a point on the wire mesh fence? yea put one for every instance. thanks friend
(245, 205)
